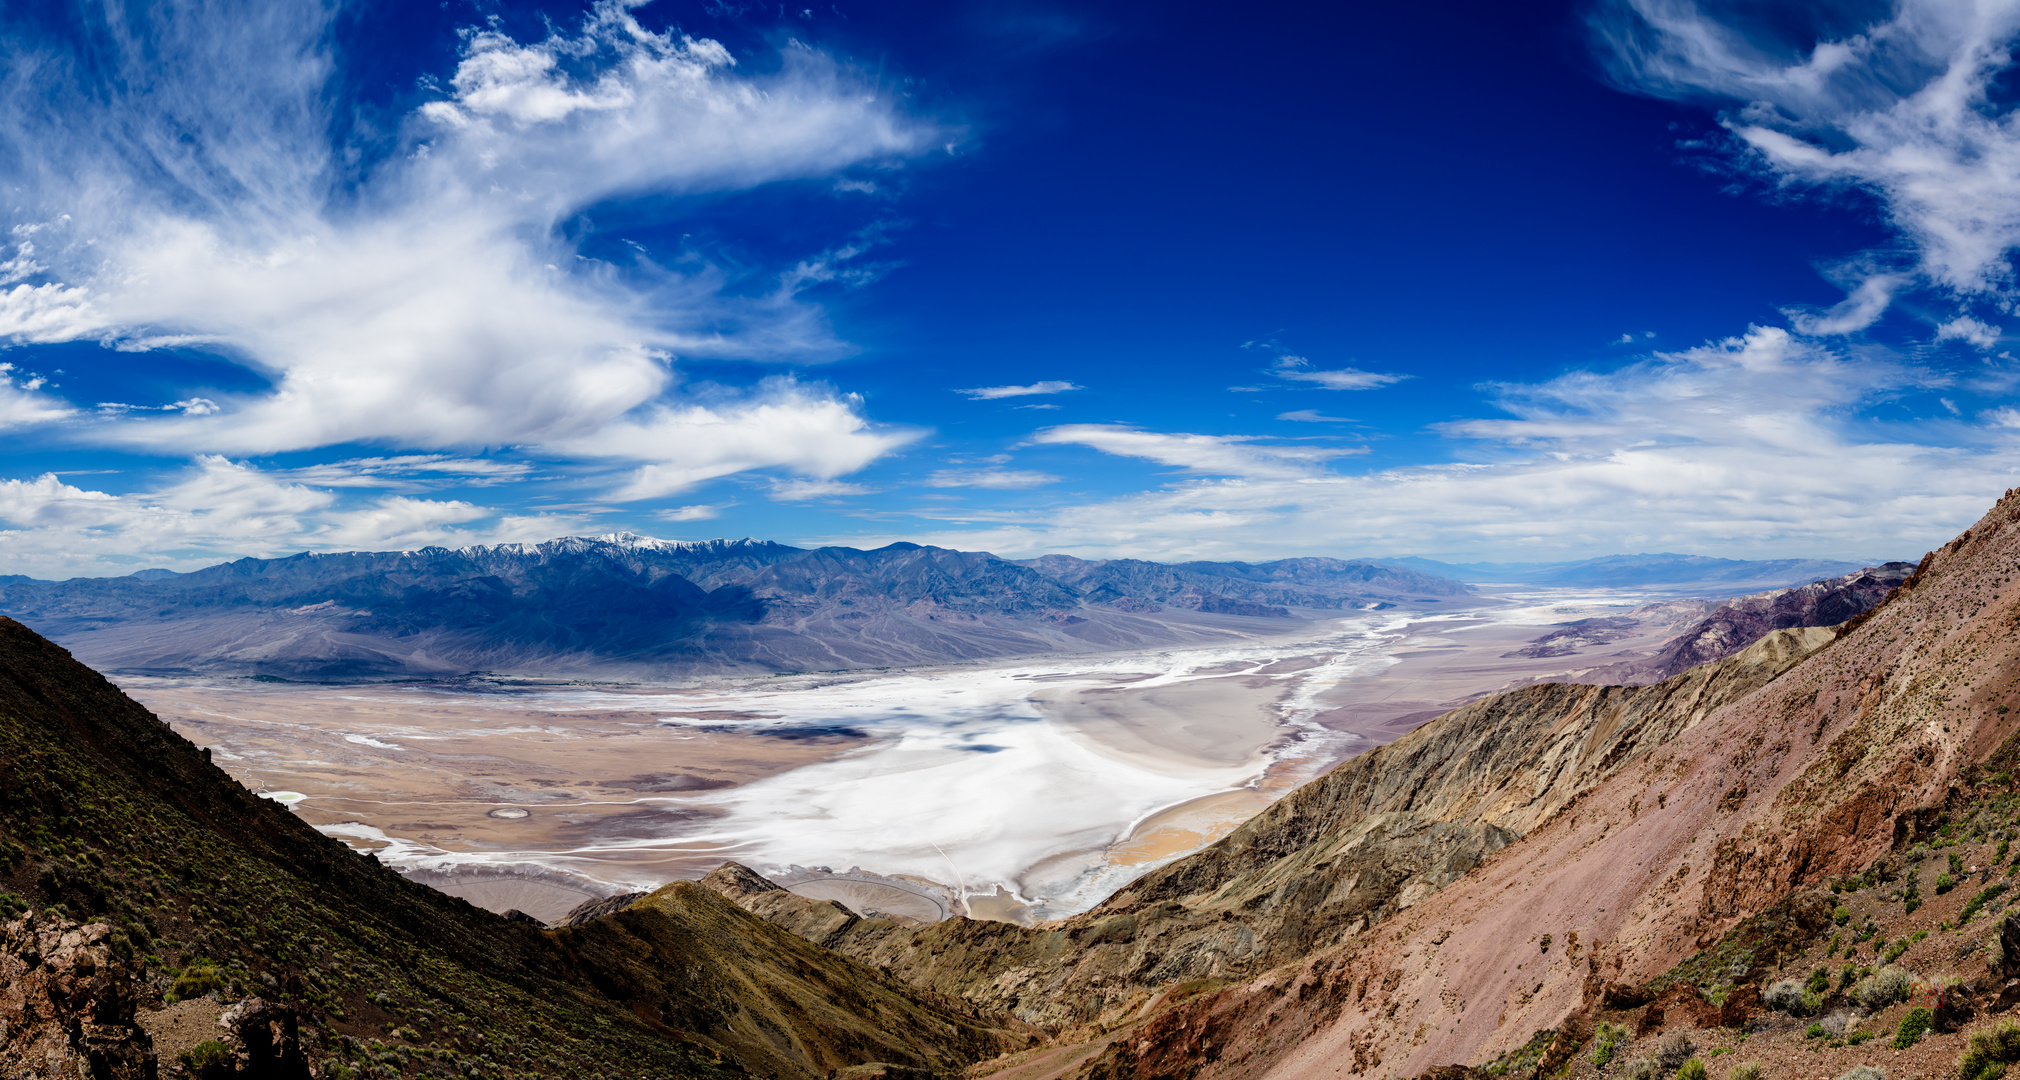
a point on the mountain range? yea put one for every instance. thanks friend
(626, 604)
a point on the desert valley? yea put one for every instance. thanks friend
(1009, 540)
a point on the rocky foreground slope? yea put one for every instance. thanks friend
(136, 872)
(625, 605)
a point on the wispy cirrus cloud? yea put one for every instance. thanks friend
(1904, 109)
(1221, 455)
(1759, 445)
(1300, 369)
(1048, 386)
(182, 188)
(990, 479)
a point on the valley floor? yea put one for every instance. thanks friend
(1019, 791)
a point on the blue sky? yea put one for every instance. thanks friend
(1485, 281)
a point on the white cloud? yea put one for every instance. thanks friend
(782, 423)
(803, 490)
(1048, 386)
(410, 470)
(1219, 455)
(993, 479)
(1751, 446)
(1965, 328)
(1901, 109)
(697, 512)
(1299, 369)
(1860, 308)
(22, 402)
(1313, 416)
(433, 305)
(218, 509)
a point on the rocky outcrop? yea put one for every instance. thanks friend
(67, 1003)
(597, 908)
(1735, 624)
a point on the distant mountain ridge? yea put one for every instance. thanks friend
(1626, 571)
(634, 604)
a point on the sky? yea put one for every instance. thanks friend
(1473, 281)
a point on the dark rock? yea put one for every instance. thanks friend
(518, 916)
(596, 909)
(1954, 1008)
(2009, 946)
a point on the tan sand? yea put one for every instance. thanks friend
(1229, 720)
(601, 788)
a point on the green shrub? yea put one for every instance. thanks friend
(1991, 1050)
(1691, 1070)
(1956, 863)
(1980, 900)
(1745, 1070)
(1858, 1037)
(1815, 1031)
(1944, 883)
(1606, 1042)
(1820, 981)
(1883, 988)
(196, 980)
(209, 1058)
(1786, 995)
(1842, 915)
(1913, 1026)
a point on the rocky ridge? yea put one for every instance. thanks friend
(1733, 625)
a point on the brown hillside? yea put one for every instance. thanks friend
(142, 872)
(1812, 776)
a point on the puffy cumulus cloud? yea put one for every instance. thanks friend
(782, 423)
(183, 190)
(1223, 455)
(1905, 109)
(1756, 445)
(218, 509)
